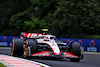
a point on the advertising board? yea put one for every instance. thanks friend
(92, 45)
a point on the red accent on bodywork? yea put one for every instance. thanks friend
(12, 48)
(57, 53)
(26, 34)
(69, 55)
(42, 53)
(25, 46)
(32, 35)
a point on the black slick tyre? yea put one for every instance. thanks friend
(32, 43)
(17, 47)
(76, 50)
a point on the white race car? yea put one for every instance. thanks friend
(39, 45)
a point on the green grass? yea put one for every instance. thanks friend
(1, 65)
(5, 47)
(91, 52)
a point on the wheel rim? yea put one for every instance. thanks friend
(12, 47)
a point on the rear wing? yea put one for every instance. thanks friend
(31, 35)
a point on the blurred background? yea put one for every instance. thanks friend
(63, 18)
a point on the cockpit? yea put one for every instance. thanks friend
(47, 37)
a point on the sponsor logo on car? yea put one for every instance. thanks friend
(68, 54)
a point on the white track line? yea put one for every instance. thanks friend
(14, 58)
(6, 64)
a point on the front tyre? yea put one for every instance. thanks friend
(76, 50)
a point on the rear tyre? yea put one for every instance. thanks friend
(76, 50)
(33, 45)
(17, 47)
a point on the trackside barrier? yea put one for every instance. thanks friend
(6, 41)
(92, 45)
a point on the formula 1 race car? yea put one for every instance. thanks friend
(44, 45)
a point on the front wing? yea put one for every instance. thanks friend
(50, 54)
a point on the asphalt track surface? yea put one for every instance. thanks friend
(90, 60)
